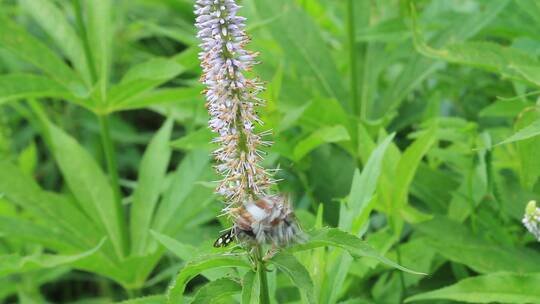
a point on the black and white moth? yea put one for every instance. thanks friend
(225, 239)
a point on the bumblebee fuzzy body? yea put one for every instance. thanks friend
(268, 220)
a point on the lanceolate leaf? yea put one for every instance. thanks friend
(176, 96)
(515, 288)
(527, 149)
(408, 164)
(143, 77)
(319, 137)
(10, 264)
(418, 68)
(184, 251)
(363, 186)
(19, 86)
(297, 273)
(100, 34)
(300, 39)
(151, 176)
(527, 132)
(55, 211)
(30, 49)
(333, 237)
(54, 22)
(89, 185)
(507, 61)
(250, 288)
(457, 243)
(181, 195)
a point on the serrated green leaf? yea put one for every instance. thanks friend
(497, 287)
(530, 131)
(159, 299)
(418, 68)
(333, 237)
(216, 290)
(457, 243)
(507, 61)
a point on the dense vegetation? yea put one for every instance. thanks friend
(407, 135)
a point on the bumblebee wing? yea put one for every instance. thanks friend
(225, 239)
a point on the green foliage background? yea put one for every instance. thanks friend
(407, 134)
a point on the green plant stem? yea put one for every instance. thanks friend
(110, 156)
(264, 297)
(353, 79)
(112, 169)
(401, 275)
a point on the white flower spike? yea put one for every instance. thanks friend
(531, 219)
(232, 97)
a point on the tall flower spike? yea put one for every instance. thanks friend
(259, 216)
(532, 219)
